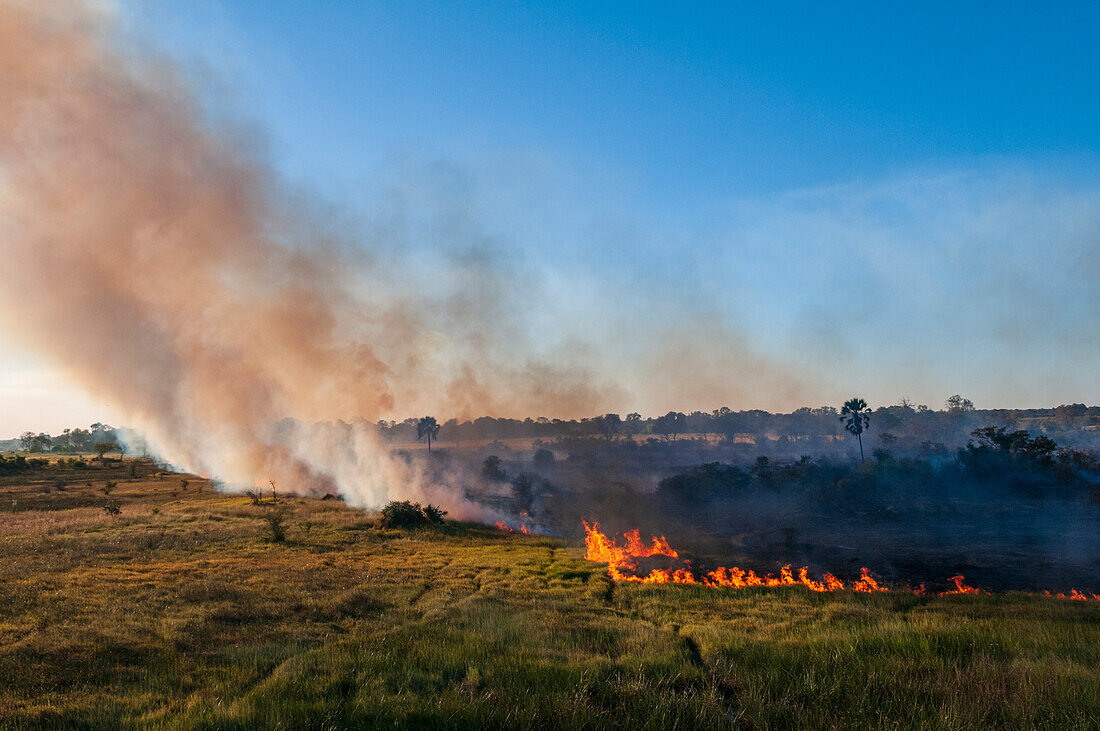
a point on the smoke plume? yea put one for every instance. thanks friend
(152, 255)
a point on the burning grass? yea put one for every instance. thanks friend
(179, 612)
(622, 565)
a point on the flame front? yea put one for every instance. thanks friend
(622, 562)
(501, 525)
(960, 587)
(622, 565)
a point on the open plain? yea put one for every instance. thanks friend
(181, 611)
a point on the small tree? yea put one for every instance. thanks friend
(543, 458)
(525, 486)
(276, 524)
(101, 448)
(957, 404)
(856, 414)
(491, 469)
(427, 428)
(610, 425)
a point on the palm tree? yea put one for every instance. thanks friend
(856, 414)
(427, 427)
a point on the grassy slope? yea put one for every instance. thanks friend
(189, 617)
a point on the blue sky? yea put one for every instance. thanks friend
(695, 103)
(911, 185)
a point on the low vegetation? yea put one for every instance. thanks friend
(181, 611)
(405, 514)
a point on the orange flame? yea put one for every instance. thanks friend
(598, 547)
(866, 584)
(1074, 595)
(622, 564)
(960, 587)
(508, 529)
(622, 561)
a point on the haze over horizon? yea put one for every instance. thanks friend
(741, 207)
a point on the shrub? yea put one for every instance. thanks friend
(543, 458)
(491, 469)
(20, 463)
(405, 514)
(108, 487)
(276, 524)
(711, 481)
(112, 508)
(402, 514)
(434, 513)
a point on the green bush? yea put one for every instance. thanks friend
(405, 514)
(434, 513)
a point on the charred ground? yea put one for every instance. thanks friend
(1009, 509)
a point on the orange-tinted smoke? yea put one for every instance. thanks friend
(151, 257)
(150, 254)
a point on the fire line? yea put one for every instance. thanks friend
(622, 565)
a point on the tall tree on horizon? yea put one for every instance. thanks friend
(856, 415)
(427, 427)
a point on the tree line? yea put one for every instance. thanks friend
(99, 438)
(904, 421)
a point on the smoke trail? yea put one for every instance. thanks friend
(156, 260)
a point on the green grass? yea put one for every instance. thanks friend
(189, 617)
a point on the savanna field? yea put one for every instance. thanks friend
(183, 611)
